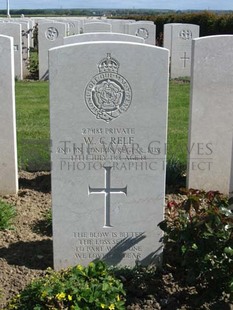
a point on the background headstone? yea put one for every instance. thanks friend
(118, 25)
(108, 109)
(180, 47)
(102, 36)
(167, 35)
(144, 30)
(97, 27)
(8, 154)
(49, 35)
(74, 27)
(14, 30)
(211, 114)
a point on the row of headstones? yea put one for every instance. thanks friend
(108, 112)
(177, 38)
(53, 33)
(21, 30)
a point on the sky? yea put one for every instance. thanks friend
(129, 4)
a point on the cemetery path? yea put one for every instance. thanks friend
(26, 252)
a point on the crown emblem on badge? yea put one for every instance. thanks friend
(108, 94)
(109, 64)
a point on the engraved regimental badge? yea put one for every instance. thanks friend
(142, 33)
(51, 33)
(108, 94)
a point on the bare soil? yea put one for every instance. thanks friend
(26, 252)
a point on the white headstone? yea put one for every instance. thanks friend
(167, 35)
(97, 27)
(145, 30)
(14, 30)
(49, 35)
(8, 154)
(231, 177)
(180, 47)
(108, 109)
(211, 114)
(74, 27)
(102, 36)
(119, 25)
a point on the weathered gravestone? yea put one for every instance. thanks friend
(97, 27)
(144, 30)
(50, 35)
(14, 30)
(108, 109)
(102, 36)
(181, 36)
(211, 114)
(8, 154)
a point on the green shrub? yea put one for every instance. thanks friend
(199, 240)
(92, 287)
(7, 215)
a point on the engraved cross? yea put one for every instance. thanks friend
(184, 58)
(107, 190)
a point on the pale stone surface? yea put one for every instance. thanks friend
(167, 35)
(145, 30)
(119, 25)
(181, 36)
(25, 40)
(102, 36)
(8, 154)
(97, 27)
(108, 110)
(211, 114)
(14, 30)
(231, 178)
(50, 35)
(74, 27)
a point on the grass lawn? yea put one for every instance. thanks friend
(32, 112)
(32, 115)
(178, 119)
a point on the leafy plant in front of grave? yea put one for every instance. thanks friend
(92, 287)
(7, 215)
(198, 241)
